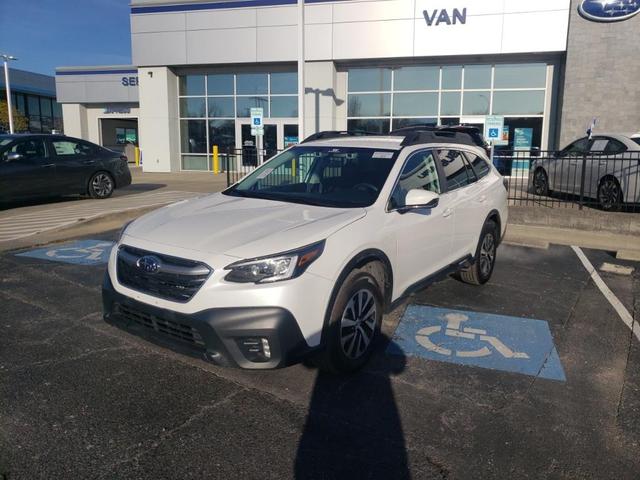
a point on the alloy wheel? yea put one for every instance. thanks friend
(487, 254)
(540, 182)
(609, 194)
(102, 185)
(358, 324)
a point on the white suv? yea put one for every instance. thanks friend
(304, 255)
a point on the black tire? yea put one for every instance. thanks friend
(541, 183)
(356, 315)
(481, 269)
(609, 194)
(101, 185)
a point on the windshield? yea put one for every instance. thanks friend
(323, 176)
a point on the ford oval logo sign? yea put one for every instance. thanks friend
(149, 264)
(609, 10)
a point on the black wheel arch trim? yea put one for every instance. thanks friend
(359, 260)
(494, 216)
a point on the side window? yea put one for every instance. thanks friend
(29, 149)
(480, 166)
(576, 148)
(615, 147)
(71, 147)
(419, 172)
(457, 169)
(600, 144)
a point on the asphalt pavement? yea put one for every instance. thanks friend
(80, 399)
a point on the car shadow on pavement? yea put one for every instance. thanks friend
(353, 428)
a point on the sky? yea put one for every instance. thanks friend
(45, 34)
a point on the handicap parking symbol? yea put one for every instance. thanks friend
(494, 132)
(82, 252)
(497, 342)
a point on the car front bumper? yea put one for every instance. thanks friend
(233, 337)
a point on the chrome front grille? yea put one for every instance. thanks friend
(162, 276)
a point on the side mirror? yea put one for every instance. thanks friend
(418, 198)
(13, 156)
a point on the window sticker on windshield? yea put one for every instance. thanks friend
(382, 155)
(264, 173)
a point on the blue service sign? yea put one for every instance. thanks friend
(82, 252)
(511, 344)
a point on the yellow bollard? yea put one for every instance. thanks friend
(136, 156)
(293, 168)
(216, 160)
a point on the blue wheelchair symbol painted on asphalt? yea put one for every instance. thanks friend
(497, 342)
(494, 132)
(83, 252)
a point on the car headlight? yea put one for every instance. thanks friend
(122, 230)
(274, 268)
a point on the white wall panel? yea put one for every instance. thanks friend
(373, 39)
(522, 32)
(318, 14)
(284, 39)
(221, 46)
(158, 22)
(213, 19)
(474, 7)
(520, 6)
(163, 48)
(275, 16)
(318, 41)
(372, 11)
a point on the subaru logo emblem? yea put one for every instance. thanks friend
(609, 10)
(149, 264)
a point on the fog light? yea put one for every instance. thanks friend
(266, 349)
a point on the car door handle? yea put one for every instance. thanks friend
(482, 199)
(88, 162)
(49, 165)
(447, 213)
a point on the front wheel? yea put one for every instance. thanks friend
(101, 185)
(609, 194)
(354, 324)
(541, 183)
(481, 270)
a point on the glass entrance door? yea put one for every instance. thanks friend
(277, 136)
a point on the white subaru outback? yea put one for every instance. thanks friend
(304, 255)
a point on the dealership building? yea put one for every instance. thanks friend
(548, 66)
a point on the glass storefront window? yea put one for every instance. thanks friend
(477, 76)
(527, 102)
(245, 104)
(532, 75)
(451, 77)
(220, 84)
(192, 107)
(369, 79)
(223, 134)
(195, 162)
(191, 85)
(370, 125)
(252, 83)
(33, 104)
(284, 107)
(450, 103)
(45, 107)
(284, 82)
(415, 104)
(221, 107)
(369, 105)
(193, 135)
(476, 103)
(416, 78)
(407, 122)
(20, 105)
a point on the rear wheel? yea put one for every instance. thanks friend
(101, 185)
(609, 194)
(481, 270)
(541, 183)
(354, 324)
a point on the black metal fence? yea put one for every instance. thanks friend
(540, 178)
(609, 182)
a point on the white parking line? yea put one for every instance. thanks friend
(624, 314)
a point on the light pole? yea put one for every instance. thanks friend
(300, 70)
(6, 59)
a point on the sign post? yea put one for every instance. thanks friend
(257, 130)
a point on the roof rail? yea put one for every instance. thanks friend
(327, 134)
(432, 134)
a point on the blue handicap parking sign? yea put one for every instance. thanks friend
(82, 252)
(494, 132)
(497, 342)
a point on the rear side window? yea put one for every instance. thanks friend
(480, 166)
(71, 147)
(636, 139)
(615, 147)
(457, 170)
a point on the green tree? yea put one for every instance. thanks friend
(20, 122)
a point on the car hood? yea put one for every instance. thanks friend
(240, 227)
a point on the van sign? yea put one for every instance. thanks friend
(609, 10)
